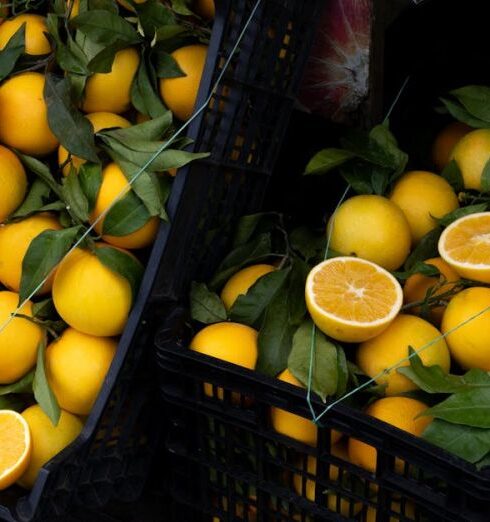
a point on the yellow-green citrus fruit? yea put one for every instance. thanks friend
(47, 440)
(392, 345)
(469, 344)
(89, 296)
(206, 9)
(417, 286)
(13, 182)
(373, 228)
(400, 412)
(240, 283)
(111, 92)
(113, 183)
(180, 94)
(99, 121)
(445, 142)
(24, 116)
(15, 239)
(423, 197)
(76, 365)
(36, 41)
(472, 154)
(19, 339)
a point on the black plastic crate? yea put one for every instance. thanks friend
(242, 127)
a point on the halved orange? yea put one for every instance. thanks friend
(351, 299)
(465, 246)
(15, 447)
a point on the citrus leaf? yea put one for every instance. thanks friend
(469, 443)
(206, 306)
(42, 171)
(248, 308)
(418, 268)
(371, 149)
(342, 372)
(461, 114)
(71, 128)
(143, 95)
(105, 27)
(152, 14)
(104, 5)
(12, 51)
(324, 372)
(34, 201)
(102, 61)
(426, 248)
(77, 85)
(126, 216)
(461, 212)
(358, 176)
(44, 253)
(169, 32)
(166, 65)
(484, 462)
(247, 226)
(44, 309)
(297, 304)
(385, 139)
(42, 391)
(123, 264)
(90, 178)
(485, 178)
(12, 402)
(452, 174)
(182, 7)
(276, 335)
(475, 99)
(327, 160)
(23, 385)
(77, 202)
(150, 130)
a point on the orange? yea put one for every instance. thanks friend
(400, 412)
(180, 94)
(445, 142)
(36, 42)
(373, 228)
(351, 299)
(392, 346)
(15, 240)
(13, 181)
(465, 246)
(206, 9)
(24, 115)
(111, 92)
(113, 183)
(99, 121)
(472, 154)
(417, 286)
(15, 447)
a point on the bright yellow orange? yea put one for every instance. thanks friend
(417, 286)
(19, 339)
(99, 121)
(36, 42)
(472, 154)
(47, 440)
(89, 296)
(469, 344)
(15, 447)
(423, 197)
(111, 92)
(23, 115)
(206, 9)
(240, 283)
(113, 183)
(354, 225)
(445, 142)
(465, 246)
(15, 239)
(76, 366)
(392, 345)
(351, 299)
(13, 181)
(180, 94)
(400, 412)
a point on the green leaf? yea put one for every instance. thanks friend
(426, 248)
(247, 226)
(44, 309)
(71, 128)
(384, 138)
(470, 408)
(143, 94)
(182, 7)
(123, 264)
(206, 306)
(70, 57)
(102, 61)
(77, 85)
(166, 66)
(306, 242)
(12, 51)
(484, 462)
(475, 99)
(297, 283)
(248, 308)
(153, 14)
(342, 372)
(461, 212)
(41, 171)
(327, 160)
(380, 178)
(104, 5)
(485, 178)
(12, 402)
(36, 201)
(358, 176)
(452, 174)
(90, 178)
(469, 443)
(126, 216)
(324, 372)
(23, 385)
(44, 253)
(105, 27)
(167, 33)
(461, 114)
(276, 335)
(42, 391)
(418, 268)
(74, 196)
(151, 130)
